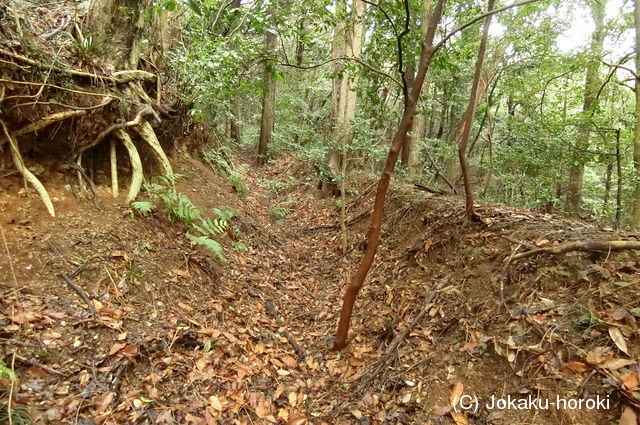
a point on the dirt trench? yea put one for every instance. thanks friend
(178, 337)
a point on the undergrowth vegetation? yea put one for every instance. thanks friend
(220, 161)
(179, 208)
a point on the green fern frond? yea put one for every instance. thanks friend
(144, 208)
(208, 243)
(224, 213)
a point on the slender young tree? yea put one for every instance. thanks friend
(591, 87)
(467, 121)
(411, 95)
(267, 119)
(636, 139)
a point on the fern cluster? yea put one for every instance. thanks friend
(217, 159)
(282, 210)
(179, 208)
(278, 186)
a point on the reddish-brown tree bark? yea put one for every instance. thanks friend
(411, 96)
(373, 235)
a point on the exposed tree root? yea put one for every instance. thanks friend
(149, 136)
(137, 88)
(114, 168)
(133, 75)
(48, 120)
(136, 165)
(580, 246)
(140, 116)
(28, 175)
(116, 77)
(78, 167)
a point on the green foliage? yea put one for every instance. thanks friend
(209, 243)
(218, 159)
(282, 210)
(239, 246)
(143, 208)
(6, 372)
(531, 111)
(179, 208)
(87, 47)
(278, 186)
(136, 274)
(19, 416)
(224, 213)
(584, 318)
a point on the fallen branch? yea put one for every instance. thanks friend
(271, 310)
(367, 378)
(580, 246)
(292, 341)
(439, 173)
(78, 290)
(428, 189)
(26, 173)
(36, 363)
(136, 166)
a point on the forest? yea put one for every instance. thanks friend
(327, 212)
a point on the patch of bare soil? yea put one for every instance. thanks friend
(176, 337)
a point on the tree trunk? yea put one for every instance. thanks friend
(234, 119)
(120, 27)
(269, 94)
(338, 49)
(636, 139)
(468, 119)
(417, 133)
(347, 42)
(619, 185)
(373, 235)
(408, 154)
(591, 86)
